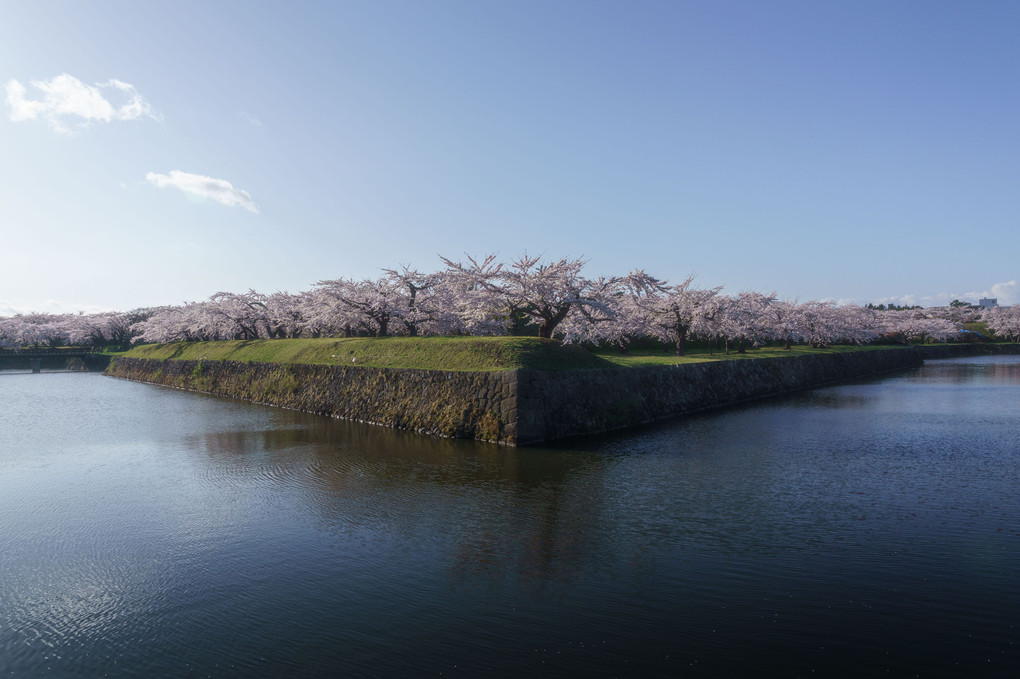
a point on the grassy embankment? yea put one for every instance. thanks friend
(448, 353)
(420, 353)
(698, 354)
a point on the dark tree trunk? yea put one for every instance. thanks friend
(550, 321)
(681, 343)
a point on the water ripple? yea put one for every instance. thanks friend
(854, 527)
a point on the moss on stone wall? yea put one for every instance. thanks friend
(518, 407)
(452, 404)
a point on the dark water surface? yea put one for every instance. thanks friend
(871, 528)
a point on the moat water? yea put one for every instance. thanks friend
(867, 528)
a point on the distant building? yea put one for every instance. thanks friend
(988, 302)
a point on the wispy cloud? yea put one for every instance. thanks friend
(67, 103)
(219, 190)
(250, 119)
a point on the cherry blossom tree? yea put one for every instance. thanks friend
(1003, 321)
(915, 325)
(685, 311)
(237, 316)
(189, 322)
(632, 305)
(358, 307)
(424, 310)
(548, 293)
(284, 317)
(11, 332)
(744, 320)
(473, 292)
(783, 318)
(110, 328)
(854, 324)
(651, 307)
(160, 326)
(957, 312)
(15, 331)
(486, 296)
(43, 329)
(817, 323)
(596, 320)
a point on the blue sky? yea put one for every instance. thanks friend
(857, 151)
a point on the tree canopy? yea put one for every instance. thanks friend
(484, 296)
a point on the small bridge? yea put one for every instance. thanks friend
(69, 358)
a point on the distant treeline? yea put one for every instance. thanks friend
(524, 297)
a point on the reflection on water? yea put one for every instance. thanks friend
(984, 371)
(871, 526)
(515, 511)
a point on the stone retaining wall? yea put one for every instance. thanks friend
(556, 405)
(478, 405)
(521, 407)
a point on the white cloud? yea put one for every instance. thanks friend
(49, 306)
(68, 103)
(906, 300)
(1008, 293)
(203, 187)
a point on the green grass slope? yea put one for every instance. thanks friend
(420, 353)
(450, 353)
(649, 357)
